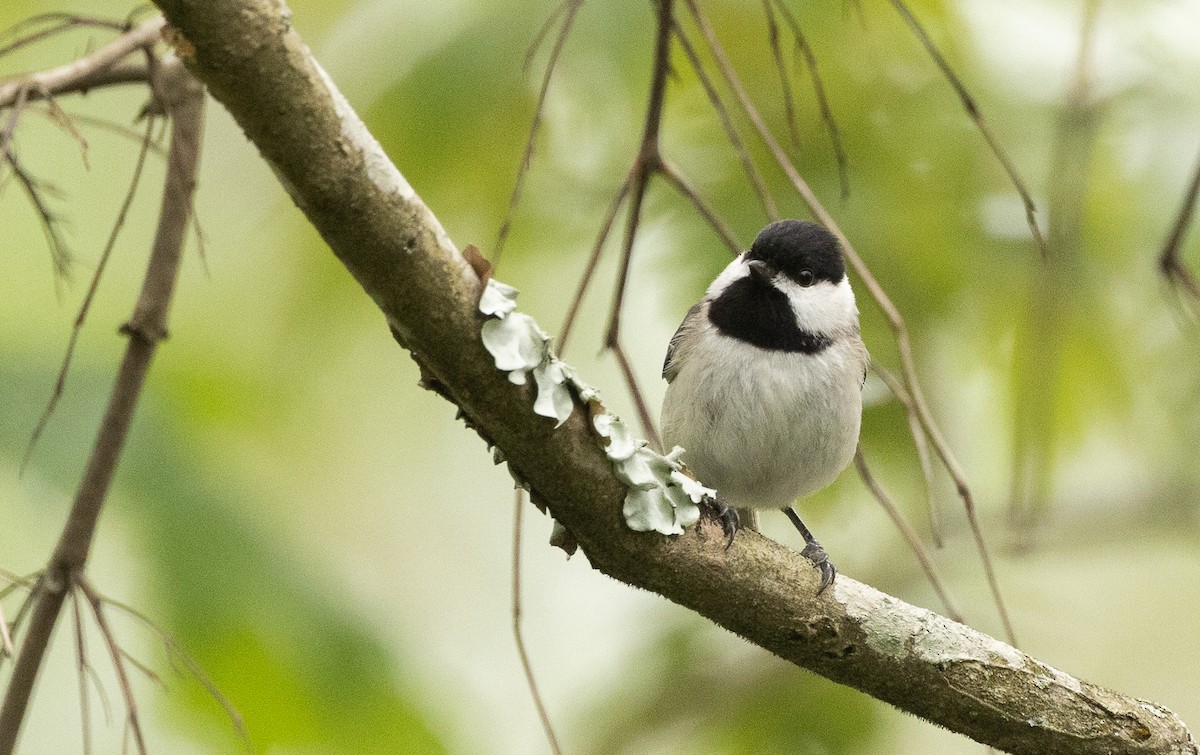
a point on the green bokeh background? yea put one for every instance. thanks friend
(335, 551)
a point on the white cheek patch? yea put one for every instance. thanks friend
(823, 307)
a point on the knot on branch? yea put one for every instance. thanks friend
(147, 334)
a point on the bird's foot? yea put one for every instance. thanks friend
(725, 515)
(815, 553)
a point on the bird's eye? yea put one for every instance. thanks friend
(806, 278)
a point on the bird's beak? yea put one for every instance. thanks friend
(761, 270)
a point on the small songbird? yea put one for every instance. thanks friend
(765, 378)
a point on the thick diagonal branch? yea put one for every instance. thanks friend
(254, 61)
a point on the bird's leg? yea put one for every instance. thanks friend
(727, 516)
(748, 519)
(813, 551)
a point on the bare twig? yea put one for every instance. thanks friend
(518, 636)
(103, 67)
(920, 442)
(60, 22)
(722, 229)
(81, 668)
(176, 652)
(63, 120)
(6, 646)
(891, 313)
(910, 535)
(61, 381)
(785, 81)
(66, 23)
(543, 32)
(571, 9)
(36, 190)
(639, 402)
(593, 260)
(818, 85)
(133, 721)
(148, 672)
(976, 115)
(757, 182)
(648, 160)
(1170, 264)
(77, 74)
(14, 626)
(145, 329)
(107, 125)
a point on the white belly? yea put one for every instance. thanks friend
(766, 427)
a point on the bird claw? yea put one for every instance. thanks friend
(727, 517)
(820, 559)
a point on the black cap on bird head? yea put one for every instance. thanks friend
(793, 247)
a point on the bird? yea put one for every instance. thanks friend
(765, 377)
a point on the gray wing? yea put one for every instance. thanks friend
(670, 368)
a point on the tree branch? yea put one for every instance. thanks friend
(145, 329)
(101, 68)
(255, 63)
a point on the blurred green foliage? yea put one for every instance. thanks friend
(334, 550)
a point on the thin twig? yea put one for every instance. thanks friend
(648, 161)
(785, 81)
(6, 646)
(14, 626)
(17, 582)
(81, 666)
(148, 672)
(107, 125)
(176, 652)
(534, 127)
(891, 313)
(518, 636)
(61, 381)
(60, 253)
(146, 327)
(676, 179)
(818, 85)
(976, 115)
(118, 660)
(757, 182)
(68, 77)
(639, 400)
(62, 22)
(593, 260)
(543, 32)
(63, 120)
(910, 535)
(1170, 264)
(920, 442)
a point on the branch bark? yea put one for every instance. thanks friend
(254, 62)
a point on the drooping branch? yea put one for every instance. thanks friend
(254, 62)
(146, 327)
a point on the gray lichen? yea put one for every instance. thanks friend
(661, 497)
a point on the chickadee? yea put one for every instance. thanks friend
(765, 378)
